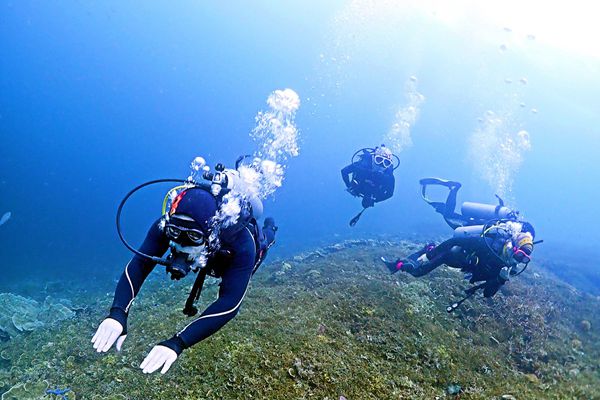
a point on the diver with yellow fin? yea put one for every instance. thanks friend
(491, 243)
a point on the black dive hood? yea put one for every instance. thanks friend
(218, 183)
(178, 263)
(162, 261)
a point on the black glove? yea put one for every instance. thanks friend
(491, 287)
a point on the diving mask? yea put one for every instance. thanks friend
(382, 160)
(524, 247)
(177, 233)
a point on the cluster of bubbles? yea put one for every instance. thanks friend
(497, 152)
(398, 137)
(513, 227)
(259, 174)
(277, 137)
(197, 168)
(275, 131)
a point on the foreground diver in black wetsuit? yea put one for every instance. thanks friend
(370, 176)
(489, 243)
(186, 229)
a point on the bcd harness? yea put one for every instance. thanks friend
(261, 248)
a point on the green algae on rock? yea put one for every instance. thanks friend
(351, 328)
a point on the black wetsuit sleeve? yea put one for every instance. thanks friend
(346, 171)
(234, 284)
(136, 271)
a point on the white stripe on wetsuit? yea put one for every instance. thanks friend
(228, 311)
(131, 286)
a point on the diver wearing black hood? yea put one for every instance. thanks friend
(370, 175)
(491, 258)
(189, 232)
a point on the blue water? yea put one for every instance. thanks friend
(96, 98)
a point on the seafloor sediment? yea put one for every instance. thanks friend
(327, 324)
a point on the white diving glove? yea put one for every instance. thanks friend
(423, 259)
(160, 356)
(108, 332)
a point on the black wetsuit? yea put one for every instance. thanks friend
(470, 254)
(235, 269)
(373, 183)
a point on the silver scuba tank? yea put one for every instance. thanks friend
(485, 212)
(468, 231)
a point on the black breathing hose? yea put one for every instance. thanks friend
(157, 260)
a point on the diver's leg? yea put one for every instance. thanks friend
(420, 269)
(444, 247)
(429, 258)
(413, 263)
(451, 201)
(419, 254)
(447, 208)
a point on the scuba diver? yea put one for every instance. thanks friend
(490, 245)
(191, 230)
(370, 175)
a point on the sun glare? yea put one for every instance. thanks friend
(569, 26)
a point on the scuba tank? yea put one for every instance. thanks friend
(468, 231)
(486, 212)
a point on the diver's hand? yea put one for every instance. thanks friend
(368, 201)
(109, 331)
(504, 275)
(159, 356)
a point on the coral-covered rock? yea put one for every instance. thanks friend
(19, 314)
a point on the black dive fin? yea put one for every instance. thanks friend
(439, 181)
(354, 220)
(452, 185)
(500, 201)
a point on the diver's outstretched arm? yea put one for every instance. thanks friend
(233, 288)
(129, 285)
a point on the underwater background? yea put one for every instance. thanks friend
(96, 98)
